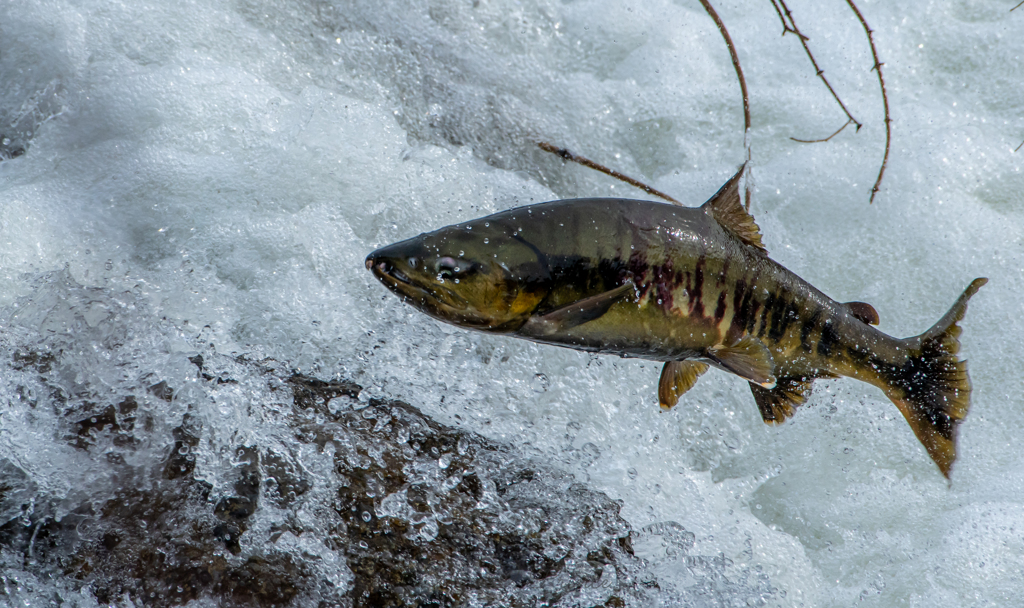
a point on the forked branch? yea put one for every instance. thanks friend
(785, 26)
(885, 98)
(791, 27)
(586, 162)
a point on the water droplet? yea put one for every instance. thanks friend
(366, 516)
(487, 241)
(632, 473)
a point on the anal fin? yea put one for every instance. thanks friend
(577, 313)
(677, 377)
(748, 358)
(780, 403)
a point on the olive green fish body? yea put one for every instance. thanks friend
(695, 287)
(691, 287)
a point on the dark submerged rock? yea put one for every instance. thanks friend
(424, 515)
(329, 498)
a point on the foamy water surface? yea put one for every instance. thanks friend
(209, 176)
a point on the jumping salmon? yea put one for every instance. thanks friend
(693, 287)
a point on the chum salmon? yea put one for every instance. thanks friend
(693, 287)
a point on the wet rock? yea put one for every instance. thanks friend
(435, 515)
(422, 515)
(198, 476)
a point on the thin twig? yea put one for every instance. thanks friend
(586, 162)
(1015, 8)
(885, 98)
(785, 26)
(821, 73)
(818, 141)
(743, 87)
(1021, 143)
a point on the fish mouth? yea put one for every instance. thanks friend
(384, 269)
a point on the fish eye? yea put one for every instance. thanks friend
(451, 268)
(447, 268)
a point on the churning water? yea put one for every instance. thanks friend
(200, 385)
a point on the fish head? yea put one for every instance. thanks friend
(476, 275)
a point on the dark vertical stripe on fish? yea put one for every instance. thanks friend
(740, 304)
(697, 294)
(829, 338)
(720, 308)
(808, 327)
(783, 315)
(753, 307)
(769, 304)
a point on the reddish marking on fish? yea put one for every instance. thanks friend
(697, 293)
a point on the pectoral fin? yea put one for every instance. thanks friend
(677, 377)
(577, 313)
(749, 359)
(863, 311)
(779, 403)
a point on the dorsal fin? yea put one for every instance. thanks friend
(727, 209)
(863, 311)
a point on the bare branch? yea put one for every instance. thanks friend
(818, 141)
(743, 85)
(1015, 8)
(821, 73)
(1021, 143)
(586, 162)
(885, 98)
(785, 26)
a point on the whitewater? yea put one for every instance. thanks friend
(188, 191)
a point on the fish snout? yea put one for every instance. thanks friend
(398, 262)
(379, 267)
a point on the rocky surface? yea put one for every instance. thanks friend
(231, 482)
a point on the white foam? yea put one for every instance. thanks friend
(234, 162)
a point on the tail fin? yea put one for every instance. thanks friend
(932, 388)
